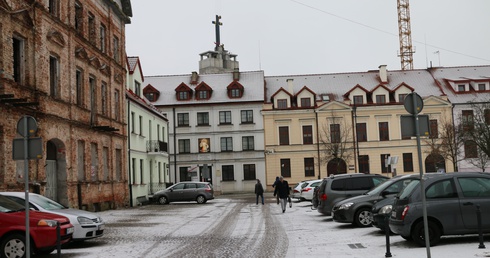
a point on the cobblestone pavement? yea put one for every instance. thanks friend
(234, 226)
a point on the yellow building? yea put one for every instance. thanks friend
(317, 125)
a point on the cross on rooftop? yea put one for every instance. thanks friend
(217, 23)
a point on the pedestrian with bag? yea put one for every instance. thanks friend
(259, 191)
(274, 186)
(282, 191)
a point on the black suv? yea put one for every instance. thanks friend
(339, 187)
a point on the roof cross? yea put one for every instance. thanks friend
(217, 23)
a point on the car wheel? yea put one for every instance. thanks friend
(162, 200)
(201, 199)
(418, 234)
(14, 246)
(363, 218)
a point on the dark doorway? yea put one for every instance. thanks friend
(336, 166)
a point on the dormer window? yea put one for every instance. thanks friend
(183, 92)
(380, 99)
(482, 86)
(235, 90)
(401, 97)
(282, 103)
(305, 102)
(151, 93)
(461, 87)
(358, 100)
(203, 91)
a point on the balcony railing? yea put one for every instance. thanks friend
(156, 146)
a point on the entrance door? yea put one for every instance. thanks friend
(336, 166)
(206, 176)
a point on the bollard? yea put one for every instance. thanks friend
(480, 233)
(387, 232)
(58, 239)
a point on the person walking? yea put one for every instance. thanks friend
(274, 186)
(259, 191)
(282, 191)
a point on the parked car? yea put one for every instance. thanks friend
(200, 192)
(87, 224)
(297, 190)
(42, 228)
(339, 187)
(380, 211)
(357, 210)
(451, 200)
(307, 190)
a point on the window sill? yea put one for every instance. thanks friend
(226, 181)
(247, 123)
(207, 125)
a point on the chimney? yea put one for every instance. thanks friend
(383, 75)
(236, 74)
(194, 77)
(290, 86)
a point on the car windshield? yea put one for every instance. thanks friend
(7, 205)
(45, 203)
(377, 189)
(408, 189)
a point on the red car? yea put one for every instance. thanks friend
(42, 228)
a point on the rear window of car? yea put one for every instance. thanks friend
(204, 186)
(359, 183)
(316, 184)
(338, 185)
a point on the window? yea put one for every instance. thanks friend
(401, 97)
(283, 135)
(150, 96)
(203, 94)
(236, 93)
(78, 17)
(137, 88)
(467, 120)
(380, 99)
(118, 164)
(142, 169)
(470, 150)
(103, 92)
(461, 87)
(305, 102)
(54, 77)
(81, 161)
(115, 49)
(183, 95)
(248, 143)
(282, 103)
(105, 164)
(359, 183)
(247, 116)
(249, 172)
(133, 170)
(307, 134)
(407, 162)
(224, 117)
(103, 38)
(226, 144)
(91, 28)
(481, 86)
(183, 119)
(363, 164)
(335, 133)
(19, 66)
(309, 167)
(185, 174)
(141, 125)
(358, 100)
(434, 132)
(383, 131)
(441, 189)
(116, 105)
(132, 122)
(94, 162)
(228, 173)
(93, 95)
(185, 146)
(53, 7)
(361, 132)
(202, 118)
(475, 186)
(286, 167)
(384, 168)
(79, 89)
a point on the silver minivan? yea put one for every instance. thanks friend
(199, 192)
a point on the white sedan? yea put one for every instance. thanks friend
(307, 191)
(87, 224)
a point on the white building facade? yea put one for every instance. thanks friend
(148, 156)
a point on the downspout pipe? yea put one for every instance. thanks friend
(129, 155)
(318, 146)
(175, 145)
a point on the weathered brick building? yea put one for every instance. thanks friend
(63, 63)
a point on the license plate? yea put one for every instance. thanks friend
(101, 227)
(69, 230)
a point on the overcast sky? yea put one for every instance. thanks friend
(290, 37)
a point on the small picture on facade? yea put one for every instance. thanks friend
(204, 145)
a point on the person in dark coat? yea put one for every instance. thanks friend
(259, 191)
(274, 186)
(282, 190)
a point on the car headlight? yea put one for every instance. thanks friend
(47, 223)
(345, 206)
(84, 221)
(386, 209)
